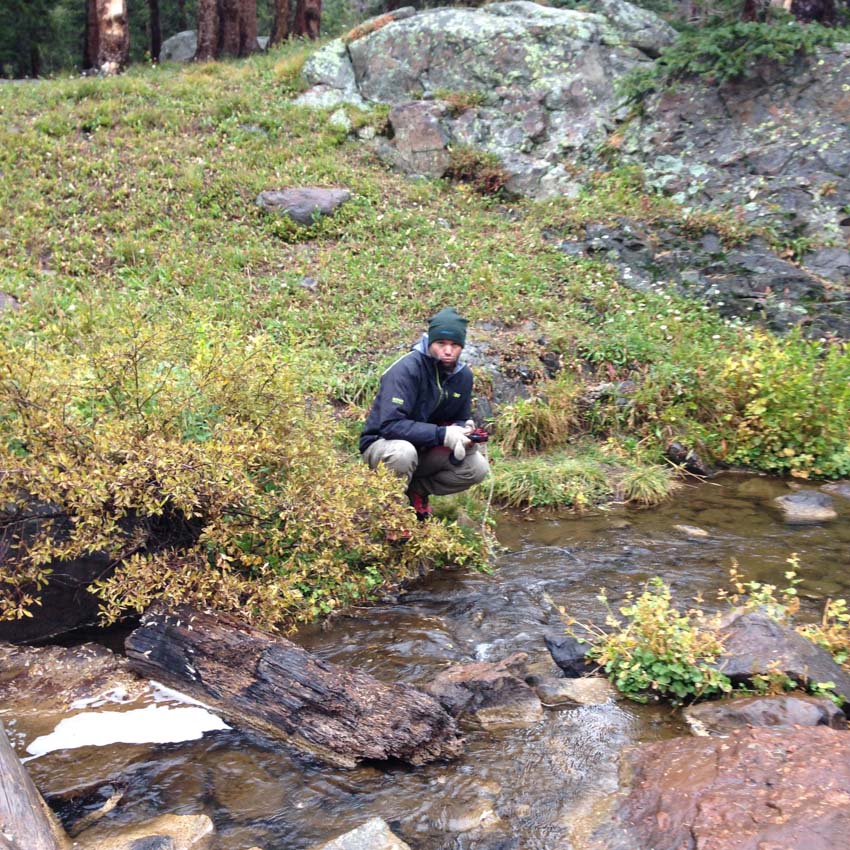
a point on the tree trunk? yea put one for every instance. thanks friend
(208, 29)
(280, 27)
(156, 30)
(90, 46)
(27, 822)
(339, 716)
(228, 37)
(308, 18)
(247, 27)
(113, 53)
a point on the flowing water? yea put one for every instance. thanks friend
(531, 788)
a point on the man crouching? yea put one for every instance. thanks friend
(419, 424)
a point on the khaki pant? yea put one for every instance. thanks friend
(429, 472)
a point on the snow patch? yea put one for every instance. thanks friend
(155, 724)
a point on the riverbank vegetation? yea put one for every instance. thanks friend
(655, 647)
(184, 381)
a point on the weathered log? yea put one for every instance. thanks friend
(270, 684)
(26, 823)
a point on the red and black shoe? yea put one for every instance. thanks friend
(419, 502)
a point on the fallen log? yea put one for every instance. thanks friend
(26, 823)
(268, 683)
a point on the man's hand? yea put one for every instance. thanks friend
(457, 441)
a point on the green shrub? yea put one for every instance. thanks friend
(790, 405)
(728, 52)
(196, 461)
(656, 650)
(483, 171)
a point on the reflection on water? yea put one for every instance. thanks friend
(529, 788)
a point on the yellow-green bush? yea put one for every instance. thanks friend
(194, 459)
(792, 405)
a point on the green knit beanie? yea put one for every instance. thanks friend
(447, 324)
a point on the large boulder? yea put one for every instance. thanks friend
(758, 788)
(538, 81)
(754, 644)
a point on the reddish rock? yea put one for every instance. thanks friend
(758, 789)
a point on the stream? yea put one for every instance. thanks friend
(536, 788)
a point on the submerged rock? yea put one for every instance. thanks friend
(806, 507)
(786, 710)
(167, 832)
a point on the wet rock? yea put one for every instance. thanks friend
(689, 459)
(838, 488)
(465, 818)
(586, 691)
(755, 644)
(38, 681)
(167, 832)
(490, 695)
(692, 531)
(305, 205)
(787, 710)
(375, 834)
(758, 788)
(806, 507)
(569, 654)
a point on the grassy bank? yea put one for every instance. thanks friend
(186, 400)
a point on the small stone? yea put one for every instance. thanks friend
(305, 205)
(375, 834)
(8, 302)
(340, 120)
(692, 531)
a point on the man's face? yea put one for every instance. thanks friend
(446, 351)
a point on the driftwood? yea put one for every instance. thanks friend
(26, 823)
(270, 684)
